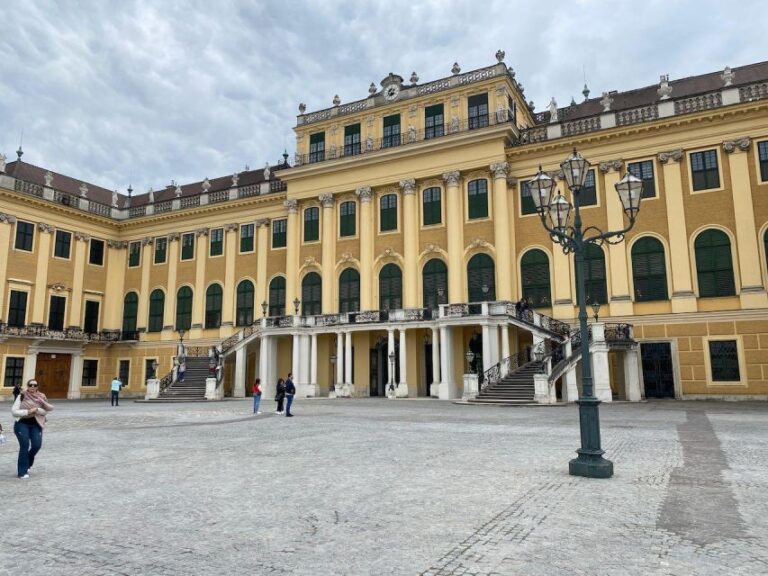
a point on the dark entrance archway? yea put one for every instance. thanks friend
(658, 373)
(379, 366)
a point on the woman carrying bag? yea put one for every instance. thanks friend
(29, 409)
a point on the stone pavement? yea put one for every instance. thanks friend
(367, 486)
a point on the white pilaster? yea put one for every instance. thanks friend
(75, 377)
(349, 385)
(402, 387)
(632, 376)
(434, 388)
(339, 360)
(390, 350)
(240, 373)
(296, 357)
(30, 367)
(504, 342)
(312, 388)
(601, 374)
(487, 353)
(447, 383)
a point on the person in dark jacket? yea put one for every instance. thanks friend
(290, 392)
(280, 395)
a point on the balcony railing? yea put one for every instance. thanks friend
(41, 331)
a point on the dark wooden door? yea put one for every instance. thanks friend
(657, 370)
(52, 373)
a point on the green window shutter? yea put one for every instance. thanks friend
(188, 246)
(352, 140)
(434, 123)
(388, 213)
(311, 224)
(311, 294)
(216, 247)
(649, 271)
(481, 278)
(644, 171)
(130, 313)
(56, 312)
(724, 360)
(478, 199)
(25, 234)
(347, 219)
(91, 318)
(714, 266)
(390, 288)
(477, 111)
(246, 238)
(245, 294)
(213, 303)
(279, 233)
(762, 150)
(588, 193)
(277, 296)
(595, 287)
(161, 250)
(134, 254)
(391, 135)
(184, 308)
(527, 205)
(705, 171)
(534, 272)
(435, 284)
(349, 291)
(156, 310)
(432, 209)
(317, 147)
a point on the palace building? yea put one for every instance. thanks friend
(386, 257)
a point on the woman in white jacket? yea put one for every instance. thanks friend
(29, 409)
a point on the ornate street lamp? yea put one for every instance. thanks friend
(596, 309)
(555, 215)
(181, 335)
(296, 303)
(333, 371)
(470, 356)
(154, 369)
(392, 371)
(263, 308)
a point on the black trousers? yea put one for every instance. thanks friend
(115, 394)
(280, 404)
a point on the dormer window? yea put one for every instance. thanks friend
(352, 140)
(478, 111)
(434, 121)
(391, 133)
(317, 147)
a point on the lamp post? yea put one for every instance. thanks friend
(264, 309)
(333, 371)
(470, 356)
(392, 371)
(555, 217)
(181, 336)
(596, 310)
(154, 369)
(296, 303)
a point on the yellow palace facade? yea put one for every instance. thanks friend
(398, 239)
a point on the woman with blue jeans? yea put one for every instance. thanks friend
(256, 396)
(29, 409)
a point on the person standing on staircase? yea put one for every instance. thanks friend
(290, 392)
(256, 395)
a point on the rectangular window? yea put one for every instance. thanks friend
(762, 152)
(63, 244)
(352, 140)
(704, 170)
(56, 311)
(478, 199)
(644, 171)
(124, 371)
(527, 205)
(388, 213)
(512, 110)
(434, 121)
(432, 206)
(91, 321)
(161, 250)
(588, 193)
(317, 147)
(90, 372)
(188, 246)
(347, 219)
(96, 252)
(25, 235)
(149, 370)
(724, 360)
(14, 371)
(134, 254)
(17, 309)
(216, 245)
(311, 224)
(478, 111)
(391, 134)
(246, 238)
(279, 233)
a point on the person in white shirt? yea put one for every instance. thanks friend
(29, 409)
(116, 385)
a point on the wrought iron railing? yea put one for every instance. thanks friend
(41, 331)
(166, 382)
(618, 332)
(495, 373)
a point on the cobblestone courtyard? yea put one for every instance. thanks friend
(405, 487)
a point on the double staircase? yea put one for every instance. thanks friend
(192, 389)
(515, 388)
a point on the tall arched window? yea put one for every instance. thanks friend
(244, 312)
(156, 310)
(277, 296)
(434, 279)
(349, 291)
(390, 288)
(534, 273)
(130, 313)
(595, 287)
(213, 297)
(649, 270)
(714, 266)
(388, 213)
(477, 199)
(184, 308)
(481, 278)
(311, 294)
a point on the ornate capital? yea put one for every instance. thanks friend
(364, 193)
(611, 164)
(388, 253)
(326, 200)
(674, 155)
(731, 146)
(262, 222)
(478, 243)
(174, 237)
(408, 186)
(82, 236)
(231, 227)
(117, 244)
(500, 169)
(347, 257)
(430, 247)
(10, 219)
(146, 242)
(310, 261)
(292, 205)
(43, 227)
(201, 232)
(452, 178)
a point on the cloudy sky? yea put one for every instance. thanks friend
(119, 91)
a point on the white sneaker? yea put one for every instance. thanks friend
(25, 476)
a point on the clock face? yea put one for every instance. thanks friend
(391, 92)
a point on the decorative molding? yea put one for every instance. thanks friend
(83, 190)
(43, 227)
(206, 185)
(388, 253)
(8, 218)
(82, 236)
(364, 193)
(48, 177)
(59, 287)
(231, 227)
(609, 165)
(408, 186)
(236, 177)
(728, 76)
(430, 248)
(665, 90)
(326, 200)
(3, 159)
(265, 222)
(117, 244)
(606, 102)
(500, 169)
(674, 155)
(146, 242)
(452, 178)
(310, 261)
(177, 191)
(512, 180)
(478, 243)
(742, 143)
(201, 232)
(292, 205)
(346, 257)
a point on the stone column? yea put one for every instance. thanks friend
(198, 302)
(410, 244)
(455, 223)
(5, 251)
(45, 231)
(76, 298)
(620, 301)
(390, 350)
(502, 232)
(295, 356)
(292, 251)
(487, 357)
(752, 293)
(601, 374)
(328, 252)
(447, 389)
(312, 387)
(262, 249)
(632, 375)
(402, 388)
(505, 342)
(174, 240)
(348, 377)
(240, 373)
(339, 361)
(434, 389)
(570, 391)
(367, 229)
(683, 298)
(228, 300)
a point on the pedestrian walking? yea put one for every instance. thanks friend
(29, 410)
(280, 395)
(256, 395)
(115, 394)
(290, 392)
(16, 391)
